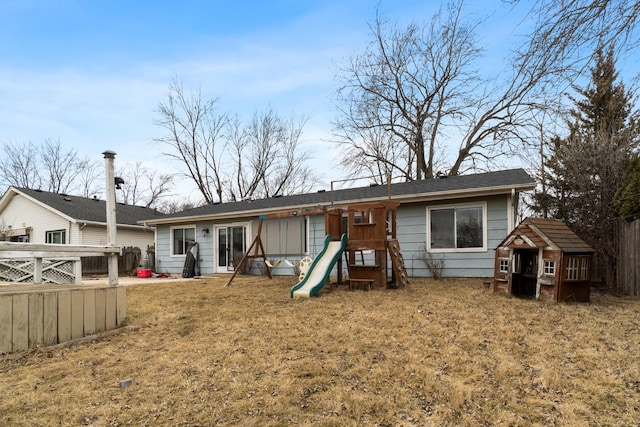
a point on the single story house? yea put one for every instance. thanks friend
(453, 222)
(37, 216)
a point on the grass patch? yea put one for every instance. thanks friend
(443, 352)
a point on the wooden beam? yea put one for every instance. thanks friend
(47, 250)
(294, 213)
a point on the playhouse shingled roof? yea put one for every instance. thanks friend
(500, 182)
(545, 232)
(83, 208)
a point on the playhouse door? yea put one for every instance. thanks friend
(231, 245)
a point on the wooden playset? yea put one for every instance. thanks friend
(372, 241)
(371, 230)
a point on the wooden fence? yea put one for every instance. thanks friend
(39, 315)
(128, 262)
(629, 258)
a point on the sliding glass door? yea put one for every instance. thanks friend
(231, 244)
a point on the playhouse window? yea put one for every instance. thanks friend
(576, 268)
(56, 236)
(549, 267)
(182, 239)
(503, 265)
(584, 268)
(457, 227)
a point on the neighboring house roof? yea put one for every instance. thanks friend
(546, 232)
(501, 182)
(82, 209)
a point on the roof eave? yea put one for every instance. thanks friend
(417, 197)
(41, 204)
(104, 224)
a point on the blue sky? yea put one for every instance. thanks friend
(91, 73)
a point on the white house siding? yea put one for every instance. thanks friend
(23, 213)
(97, 235)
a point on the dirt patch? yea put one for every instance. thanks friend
(435, 353)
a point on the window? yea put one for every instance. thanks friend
(549, 267)
(56, 236)
(503, 265)
(584, 268)
(577, 268)
(459, 227)
(182, 239)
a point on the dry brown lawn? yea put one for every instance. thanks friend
(435, 353)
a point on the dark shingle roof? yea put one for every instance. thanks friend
(543, 232)
(91, 210)
(449, 187)
(559, 233)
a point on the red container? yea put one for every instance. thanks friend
(144, 272)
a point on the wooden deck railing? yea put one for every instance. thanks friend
(25, 261)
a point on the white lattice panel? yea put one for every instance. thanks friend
(53, 271)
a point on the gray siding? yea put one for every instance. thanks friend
(412, 235)
(411, 231)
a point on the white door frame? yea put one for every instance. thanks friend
(216, 244)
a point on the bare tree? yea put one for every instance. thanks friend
(90, 180)
(416, 91)
(19, 166)
(269, 157)
(416, 94)
(48, 166)
(567, 33)
(194, 137)
(61, 168)
(143, 186)
(229, 160)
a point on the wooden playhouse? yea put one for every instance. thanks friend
(543, 259)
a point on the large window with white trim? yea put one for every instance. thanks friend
(181, 239)
(457, 228)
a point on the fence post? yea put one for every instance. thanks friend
(77, 271)
(37, 270)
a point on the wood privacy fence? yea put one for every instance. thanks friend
(38, 315)
(629, 258)
(128, 262)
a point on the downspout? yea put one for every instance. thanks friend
(80, 237)
(511, 211)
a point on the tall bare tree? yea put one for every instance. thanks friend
(194, 136)
(48, 166)
(417, 93)
(143, 186)
(229, 160)
(269, 157)
(61, 168)
(19, 166)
